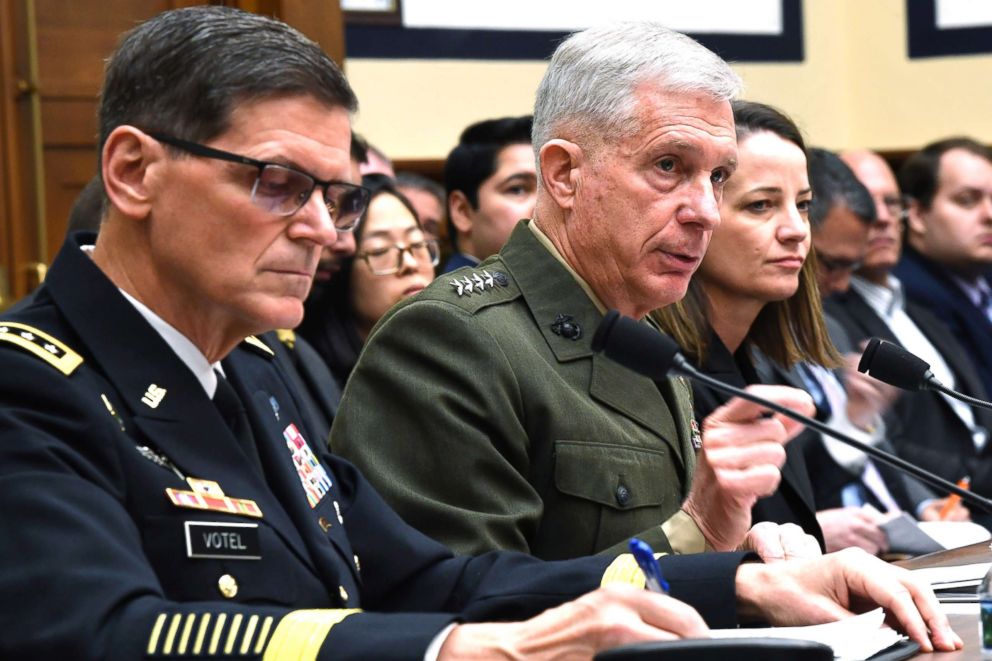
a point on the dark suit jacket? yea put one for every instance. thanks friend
(793, 502)
(930, 286)
(486, 428)
(922, 426)
(102, 563)
(456, 261)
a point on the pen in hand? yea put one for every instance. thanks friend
(953, 499)
(644, 556)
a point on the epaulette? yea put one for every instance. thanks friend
(287, 337)
(42, 345)
(258, 346)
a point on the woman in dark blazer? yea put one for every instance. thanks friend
(755, 290)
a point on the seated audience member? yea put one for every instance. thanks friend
(394, 260)
(427, 197)
(948, 249)
(936, 432)
(491, 184)
(489, 374)
(332, 256)
(845, 479)
(134, 396)
(755, 289)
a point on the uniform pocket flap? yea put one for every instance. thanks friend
(618, 476)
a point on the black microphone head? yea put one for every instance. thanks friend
(868, 355)
(636, 345)
(894, 365)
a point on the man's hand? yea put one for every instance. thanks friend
(836, 586)
(958, 512)
(776, 542)
(739, 462)
(608, 617)
(867, 398)
(845, 527)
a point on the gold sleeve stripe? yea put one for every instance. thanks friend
(215, 638)
(171, 636)
(263, 635)
(201, 633)
(301, 633)
(249, 632)
(187, 630)
(232, 634)
(624, 569)
(42, 345)
(156, 632)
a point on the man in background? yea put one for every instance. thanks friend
(876, 305)
(948, 249)
(491, 185)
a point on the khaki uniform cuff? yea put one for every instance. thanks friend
(683, 534)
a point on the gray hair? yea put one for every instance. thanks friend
(592, 76)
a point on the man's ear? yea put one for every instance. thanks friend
(561, 161)
(127, 155)
(916, 218)
(460, 212)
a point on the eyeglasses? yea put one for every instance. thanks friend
(896, 205)
(283, 190)
(835, 265)
(389, 259)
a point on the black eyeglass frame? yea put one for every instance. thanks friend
(365, 256)
(196, 149)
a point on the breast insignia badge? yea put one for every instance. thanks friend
(312, 475)
(207, 495)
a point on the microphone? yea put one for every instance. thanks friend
(647, 351)
(892, 364)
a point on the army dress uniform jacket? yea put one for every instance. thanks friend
(480, 412)
(134, 524)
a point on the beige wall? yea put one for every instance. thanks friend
(857, 87)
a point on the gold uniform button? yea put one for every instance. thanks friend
(358, 565)
(228, 586)
(343, 593)
(324, 524)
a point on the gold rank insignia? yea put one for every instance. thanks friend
(259, 346)
(42, 345)
(207, 495)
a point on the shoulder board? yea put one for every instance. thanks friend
(42, 345)
(287, 337)
(258, 346)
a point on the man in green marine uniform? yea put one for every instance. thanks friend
(499, 427)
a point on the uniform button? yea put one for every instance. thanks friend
(623, 495)
(343, 593)
(324, 524)
(228, 586)
(358, 565)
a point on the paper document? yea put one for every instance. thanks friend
(855, 638)
(942, 578)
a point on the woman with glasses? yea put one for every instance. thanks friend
(755, 289)
(394, 259)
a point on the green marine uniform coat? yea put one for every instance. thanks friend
(480, 412)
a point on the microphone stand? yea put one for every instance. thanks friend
(934, 384)
(682, 366)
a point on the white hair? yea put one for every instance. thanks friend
(590, 82)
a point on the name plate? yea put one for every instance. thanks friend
(219, 540)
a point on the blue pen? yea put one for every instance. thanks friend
(649, 565)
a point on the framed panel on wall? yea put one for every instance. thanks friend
(948, 27)
(753, 31)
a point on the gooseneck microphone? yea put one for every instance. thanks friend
(647, 351)
(892, 364)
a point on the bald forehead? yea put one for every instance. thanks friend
(872, 170)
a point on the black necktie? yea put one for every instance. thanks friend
(233, 412)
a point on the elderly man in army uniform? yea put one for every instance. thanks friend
(162, 494)
(504, 430)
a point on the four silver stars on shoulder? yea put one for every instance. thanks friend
(479, 282)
